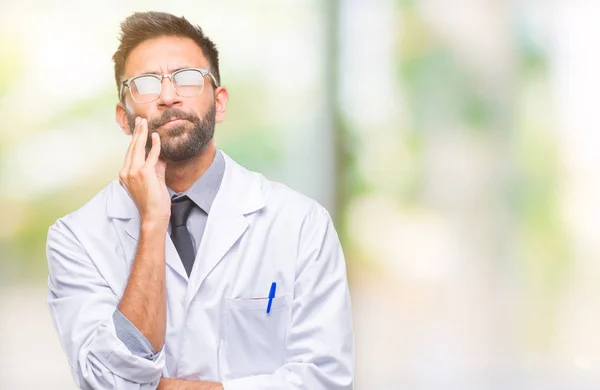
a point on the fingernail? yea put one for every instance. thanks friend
(137, 120)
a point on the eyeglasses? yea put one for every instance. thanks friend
(188, 82)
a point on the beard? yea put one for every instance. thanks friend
(183, 141)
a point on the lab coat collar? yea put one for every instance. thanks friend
(240, 194)
(239, 186)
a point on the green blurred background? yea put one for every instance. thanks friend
(452, 141)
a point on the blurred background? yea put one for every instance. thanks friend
(452, 141)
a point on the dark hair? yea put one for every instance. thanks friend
(141, 26)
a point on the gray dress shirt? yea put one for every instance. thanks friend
(202, 193)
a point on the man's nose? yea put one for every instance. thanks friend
(168, 96)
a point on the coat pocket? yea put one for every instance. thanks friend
(253, 342)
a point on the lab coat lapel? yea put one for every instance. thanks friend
(223, 229)
(126, 217)
(239, 195)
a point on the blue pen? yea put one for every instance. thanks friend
(271, 296)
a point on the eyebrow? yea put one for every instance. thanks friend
(168, 72)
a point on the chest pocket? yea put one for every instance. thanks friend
(252, 341)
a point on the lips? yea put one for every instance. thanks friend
(173, 120)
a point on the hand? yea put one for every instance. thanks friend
(144, 178)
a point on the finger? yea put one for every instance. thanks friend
(161, 167)
(139, 148)
(127, 162)
(154, 151)
(132, 141)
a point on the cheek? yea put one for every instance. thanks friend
(132, 112)
(203, 103)
(198, 108)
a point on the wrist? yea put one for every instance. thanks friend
(151, 226)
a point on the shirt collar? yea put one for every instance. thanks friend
(204, 190)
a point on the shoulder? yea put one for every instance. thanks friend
(91, 214)
(279, 197)
(254, 188)
(291, 209)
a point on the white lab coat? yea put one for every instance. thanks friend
(258, 232)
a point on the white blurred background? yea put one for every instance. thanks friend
(456, 143)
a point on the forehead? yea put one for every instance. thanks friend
(164, 55)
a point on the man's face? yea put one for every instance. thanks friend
(185, 124)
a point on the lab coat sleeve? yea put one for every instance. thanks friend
(320, 340)
(82, 306)
(130, 335)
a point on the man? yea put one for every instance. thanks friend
(191, 272)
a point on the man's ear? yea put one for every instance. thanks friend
(221, 99)
(121, 116)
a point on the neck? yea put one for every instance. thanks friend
(180, 175)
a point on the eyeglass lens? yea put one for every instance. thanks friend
(187, 83)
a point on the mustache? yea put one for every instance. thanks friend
(170, 114)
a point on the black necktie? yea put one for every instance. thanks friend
(180, 211)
